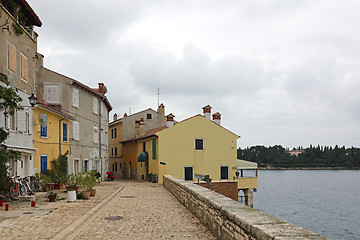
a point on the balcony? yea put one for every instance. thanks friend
(246, 175)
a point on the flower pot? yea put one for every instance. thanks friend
(92, 192)
(52, 197)
(58, 186)
(86, 194)
(71, 196)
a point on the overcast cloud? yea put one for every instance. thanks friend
(280, 72)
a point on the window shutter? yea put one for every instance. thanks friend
(76, 98)
(76, 130)
(64, 132)
(11, 57)
(24, 67)
(96, 134)
(154, 148)
(95, 105)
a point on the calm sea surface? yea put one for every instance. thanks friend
(323, 201)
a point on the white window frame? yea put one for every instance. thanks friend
(76, 97)
(96, 134)
(192, 173)
(76, 130)
(228, 173)
(203, 147)
(11, 122)
(95, 105)
(54, 95)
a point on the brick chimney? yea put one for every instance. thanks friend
(114, 117)
(207, 111)
(170, 120)
(161, 112)
(142, 127)
(217, 118)
(137, 126)
(125, 115)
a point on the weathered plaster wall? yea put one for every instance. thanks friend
(228, 219)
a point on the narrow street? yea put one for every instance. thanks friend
(121, 210)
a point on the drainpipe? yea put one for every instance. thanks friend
(101, 162)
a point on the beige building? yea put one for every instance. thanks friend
(89, 132)
(129, 127)
(18, 52)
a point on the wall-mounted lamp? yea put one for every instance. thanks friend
(32, 100)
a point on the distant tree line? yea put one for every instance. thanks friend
(311, 157)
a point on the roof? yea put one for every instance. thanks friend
(96, 93)
(56, 111)
(242, 164)
(199, 115)
(28, 11)
(148, 134)
(119, 120)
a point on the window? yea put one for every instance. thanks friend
(199, 144)
(43, 131)
(131, 148)
(120, 165)
(27, 123)
(116, 151)
(96, 134)
(224, 172)
(10, 122)
(24, 68)
(144, 147)
(86, 165)
(76, 130)
(11, 57)
(112, 133)
(43, 163)
(115, 133)
(76, 97)
(112, 152)
(95, 105)
(52, 93)
(115, 166)
(154, 148)
(148, 116)
(65, 138)
(189, 173)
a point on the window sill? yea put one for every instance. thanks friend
(24, 80)
(45, 137)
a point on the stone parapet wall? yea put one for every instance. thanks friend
(228, 219)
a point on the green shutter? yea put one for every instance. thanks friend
(154, 148)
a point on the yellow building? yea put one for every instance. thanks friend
(51, 135)
(115, 149)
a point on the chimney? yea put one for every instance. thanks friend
(114, 117)
(207, 111)
(170, 120)
(141, 127)
(101, 87)
(125, 115)
(137, 125)
(161, 112)
(217, 118)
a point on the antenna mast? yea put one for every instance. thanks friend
(158, 93)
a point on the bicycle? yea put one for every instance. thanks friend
(17, 189)
(26, 183)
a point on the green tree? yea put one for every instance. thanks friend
(9, 103)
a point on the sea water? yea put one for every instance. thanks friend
(323, 201)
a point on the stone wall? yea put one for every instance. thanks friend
(228, 189)
(228, 219)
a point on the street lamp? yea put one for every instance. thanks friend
(32, 100)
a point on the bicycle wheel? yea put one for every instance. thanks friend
(22, 190)
(14, 193)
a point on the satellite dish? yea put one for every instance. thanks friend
(42, 119)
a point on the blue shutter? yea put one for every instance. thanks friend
(43, 163)
(65, 132)
(43, 131)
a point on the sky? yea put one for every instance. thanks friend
(279, 71)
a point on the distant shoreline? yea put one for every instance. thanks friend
(307, 168)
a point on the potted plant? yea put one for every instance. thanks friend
(72, 183)
(96, 180)
(87, 182)
(52, 196)
(44, 181)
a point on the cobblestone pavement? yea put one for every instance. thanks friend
(141, 210)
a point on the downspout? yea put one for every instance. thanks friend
(101, 162)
